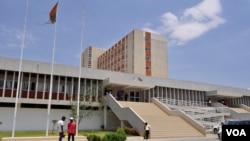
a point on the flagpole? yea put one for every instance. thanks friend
(80, 72)
(51, 78)
(20, 69)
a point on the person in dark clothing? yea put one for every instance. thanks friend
(119, 95)
(126, 96)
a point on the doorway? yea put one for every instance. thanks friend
(134, 96)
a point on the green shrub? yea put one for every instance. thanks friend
(120, 135)
(109, 137)
(120, 131)
(93, 137)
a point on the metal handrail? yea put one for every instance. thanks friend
(200, 111)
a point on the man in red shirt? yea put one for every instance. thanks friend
(71, 129)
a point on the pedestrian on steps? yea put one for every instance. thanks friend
(147, 130)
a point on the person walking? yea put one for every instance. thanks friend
(71, 129)
(147, 131)
(60, 125)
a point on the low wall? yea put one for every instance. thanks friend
(36, 119)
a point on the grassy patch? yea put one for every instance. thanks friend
(26, 133)
(43, 133)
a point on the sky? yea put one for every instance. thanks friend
(208, 40)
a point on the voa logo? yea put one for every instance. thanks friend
(236, 132)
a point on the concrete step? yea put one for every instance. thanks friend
(50, 138)
(162, 124)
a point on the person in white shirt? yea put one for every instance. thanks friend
(147, 130)
(219, 133)
(60, 125)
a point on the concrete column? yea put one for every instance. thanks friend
(105, 116)
(29, 87)
(44, 86)
(122, 123)
(65, 87)
(13, 84)
(58, 86)
(37, 83)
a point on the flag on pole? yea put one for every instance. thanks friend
(52, 14)
(52, 20)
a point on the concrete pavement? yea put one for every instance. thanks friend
(209, 137)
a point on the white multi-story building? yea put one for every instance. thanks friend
(139, 52)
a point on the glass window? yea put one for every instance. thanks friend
(40, 87)
(8, 84)
(46, 87)
(68, 89)
(148, 48)
(148, 68)
(25, 85)
(33, 86)
(1, 83)
(62, 88)
(15, 85)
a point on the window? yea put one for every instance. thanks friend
(62, 88)
(15, 85)
(1, 83)
(40, 87)
(82, 89)
(148, 68)
(33, 86)
(46, 87)
(68, 88)
(8, 84)
(147, 48)
(147, 39)
(25, 85)
(148, 58)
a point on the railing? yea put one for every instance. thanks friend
(126, 113)
(182, 102)
(200, 111)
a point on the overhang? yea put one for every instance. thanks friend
(138, 84)
(222, 94)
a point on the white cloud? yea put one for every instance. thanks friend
(193, 23)
(12, 37)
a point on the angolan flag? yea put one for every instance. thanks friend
(52, 14)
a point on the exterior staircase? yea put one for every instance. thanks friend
(162, 124)
(239, 110)
(199, 111)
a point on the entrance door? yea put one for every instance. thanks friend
(134, 96)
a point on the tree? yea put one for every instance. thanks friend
(90, 91)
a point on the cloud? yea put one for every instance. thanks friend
(12, 37)
(193, 22)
